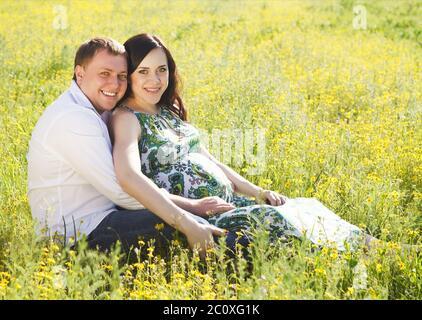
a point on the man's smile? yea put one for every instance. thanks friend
(109, 93)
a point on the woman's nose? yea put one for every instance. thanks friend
(156, 77)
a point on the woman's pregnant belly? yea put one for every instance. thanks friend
(194, 176)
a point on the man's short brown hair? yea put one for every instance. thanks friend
(89, 48)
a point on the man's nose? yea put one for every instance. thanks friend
(114, 81)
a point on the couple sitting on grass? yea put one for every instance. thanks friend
(114, 156)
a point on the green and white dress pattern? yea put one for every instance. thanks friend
(170, 156)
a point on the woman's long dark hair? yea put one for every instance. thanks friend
(137, 48)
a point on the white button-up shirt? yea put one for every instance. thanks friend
(72, 184)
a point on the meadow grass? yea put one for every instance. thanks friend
(340, 108)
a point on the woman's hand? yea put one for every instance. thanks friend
(200, 236)
(270, 197)
(209, 206)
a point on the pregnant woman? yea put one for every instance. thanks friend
(149, 126)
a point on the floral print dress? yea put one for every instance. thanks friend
(170, 156)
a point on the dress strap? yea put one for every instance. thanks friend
(125, 107)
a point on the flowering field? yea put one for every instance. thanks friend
(335, 89)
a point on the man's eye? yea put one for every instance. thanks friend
(104, 74)
(123, 77)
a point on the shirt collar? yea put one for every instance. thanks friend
(80, 98)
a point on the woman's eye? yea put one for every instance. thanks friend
(143, 71)
(163, 69)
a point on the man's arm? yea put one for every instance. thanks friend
(204, 207)
(79, 141)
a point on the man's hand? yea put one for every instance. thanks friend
(209, 206)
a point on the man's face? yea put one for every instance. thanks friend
(103, 80)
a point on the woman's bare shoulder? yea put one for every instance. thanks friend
(123, 117)
(124, 123)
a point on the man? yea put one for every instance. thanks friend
(72, 186)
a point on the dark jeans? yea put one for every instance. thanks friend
(131, 226)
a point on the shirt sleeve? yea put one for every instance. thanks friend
(79, 139)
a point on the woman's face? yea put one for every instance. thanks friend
(150, 79)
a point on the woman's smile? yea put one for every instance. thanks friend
(153, 90)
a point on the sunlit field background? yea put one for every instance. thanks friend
(340, 106)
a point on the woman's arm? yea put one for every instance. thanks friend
(126, 132)
(243, 186)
